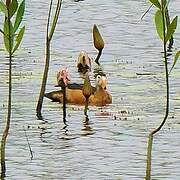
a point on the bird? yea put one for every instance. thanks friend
(74, 92)
(84, 62)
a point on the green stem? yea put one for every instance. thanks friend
(46, 68)
(98, 56)
(44, 80)
(6, 130)
(149, 150)
(58, 8)
(166, 71)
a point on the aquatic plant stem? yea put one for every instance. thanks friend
(166, 71)
(44, 80)
(47, 58)
(64, 104)
(7, 127)
(151, 134)
(146, 11)
(98, 56)
(149, 152)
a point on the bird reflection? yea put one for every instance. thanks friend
(87, 129)
(65, 129)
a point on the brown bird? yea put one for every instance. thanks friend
(74, 94)
(83, 62)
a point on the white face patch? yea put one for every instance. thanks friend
(101, 81)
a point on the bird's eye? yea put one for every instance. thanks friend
(98, 77)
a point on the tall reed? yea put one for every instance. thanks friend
(49, 35)
(165, 32)
(12, 40)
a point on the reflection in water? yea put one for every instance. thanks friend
(65, 128)
(27, 139)
(87, 129)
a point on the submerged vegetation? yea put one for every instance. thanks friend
(12, 34)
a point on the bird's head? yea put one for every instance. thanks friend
(63, 77)
(101, 82)
(84, 62)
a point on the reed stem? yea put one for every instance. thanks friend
(150, 141)
(7, 127)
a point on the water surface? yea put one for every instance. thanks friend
(112, 145)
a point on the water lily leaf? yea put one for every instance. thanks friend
(13, 7)
(19, 39)
(3, 8)
(159, 24)
(171, 28)
(156, 3)
(19, 15)
(8, 33)
(176, 57)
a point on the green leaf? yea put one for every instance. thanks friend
(176, 57)
(156, 3)
(13, 7)
(19, 15)
(159, 23)
(171, 28)
(3, 8)
(8, 33)
(19, 38)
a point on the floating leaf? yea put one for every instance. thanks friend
(176, 57)
(97, 38)
(19, 15)
(171, 28)
(3, 8)
(19, 39)
(159, 23)
(13, 7)
(156, 3)
(8, 34)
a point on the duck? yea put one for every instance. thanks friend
(74, 92)
(83, 62)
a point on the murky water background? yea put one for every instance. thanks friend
(113, 144)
